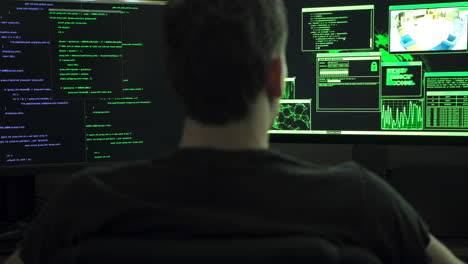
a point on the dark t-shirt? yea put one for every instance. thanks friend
(210, 193)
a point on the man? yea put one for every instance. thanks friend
(227, 64)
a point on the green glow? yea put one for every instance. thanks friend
(338, 8)
(90, 42)
(109, 139)
(75, 79)
(101, 92)
(75, 69)
(447, 117)
(403, 63)
(133, 44)
(122, 138)
(382, 42)
(76, 88)
(109, 134)
(420, 133)
(294, 115)
(427, 6)
(74, 74)
(332, 81)
(120, 98)
(78, 14)
(101, 112)
(90, 56)
(446, 80)
(125, 7)
(98, 126)
(295, 132)
(102, 157)
(373, 133)
(446, 74)
(399, 77)
(90, 92)
(289, 88)
(71, 23)
(335, 51)
(132, 89)
(372, 55)
(339, 35)
(129, 103)
(295, 101)
(402, 114)
(73, 18)
(127, 143)
(447, 109)
(447, 93)
(87, 47)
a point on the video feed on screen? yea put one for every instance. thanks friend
(428, 29)
(381, 69)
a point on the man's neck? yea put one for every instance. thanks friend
(236, 136)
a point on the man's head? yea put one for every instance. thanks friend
(224, 54)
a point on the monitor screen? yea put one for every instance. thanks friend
(83, 82)
(375, 69)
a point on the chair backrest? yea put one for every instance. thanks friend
(245, 251)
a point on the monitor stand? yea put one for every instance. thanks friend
(17, 197)
(372, 157)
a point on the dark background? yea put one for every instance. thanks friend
(433, 178)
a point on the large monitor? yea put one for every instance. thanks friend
(83, 82)
(375, 72)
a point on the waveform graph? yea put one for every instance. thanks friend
(403, 114)
(294, 115)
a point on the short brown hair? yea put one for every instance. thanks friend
(219, 51)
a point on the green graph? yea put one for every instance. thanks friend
(402, 114)
(294, 115)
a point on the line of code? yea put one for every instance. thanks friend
(337, 29)
(78, 83)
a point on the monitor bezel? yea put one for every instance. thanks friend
(370, 140)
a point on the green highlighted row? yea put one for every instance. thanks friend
(431, 6)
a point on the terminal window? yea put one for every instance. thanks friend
(338, 28)
(348, 82)
(447, 100)
(79, 81)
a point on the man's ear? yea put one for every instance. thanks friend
(275, 79)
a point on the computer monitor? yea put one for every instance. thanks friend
(375, 71)
(83, 82)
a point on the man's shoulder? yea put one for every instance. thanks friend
(179, 169)
(344, 170)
